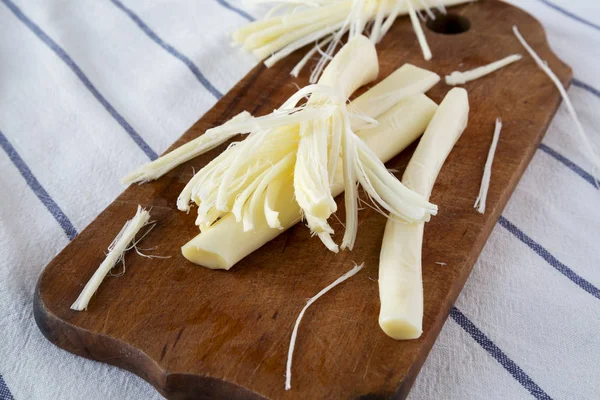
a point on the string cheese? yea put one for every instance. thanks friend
(288, 369)
(487, 171)
(418, 31)
(460, 78)
(400, 280)
(589, 147)
(116, 251)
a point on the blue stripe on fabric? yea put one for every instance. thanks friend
(570, 14)
(169, 49)
(550, 259)
(60, 52)
(37, 188)
(236, 10)
(4, 392)
(585, 86)
(489, 346)
(569, 164)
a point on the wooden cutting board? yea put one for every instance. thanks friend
(197, 333)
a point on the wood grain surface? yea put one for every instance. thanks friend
(195, 333)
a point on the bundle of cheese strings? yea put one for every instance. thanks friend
(298, 158)
(293, 24)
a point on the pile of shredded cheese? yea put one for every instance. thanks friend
(307, 142)
(291, 25)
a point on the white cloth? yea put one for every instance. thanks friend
(521, 327)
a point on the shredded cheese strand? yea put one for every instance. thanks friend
(271, 215)
(487, 171)
(425, 7)
(350, 189)
(419, 31)
(288, 370)
(296, 71)
(441, 6)
(116, 251)
(376, 35)
(420, 15)
(211, 139)
(316, 73)
(274, 10)
(460, 78)
(594, 158)
(286, 51)
(391, 17)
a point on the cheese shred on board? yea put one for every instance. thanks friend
(116, 251)
(288, 369)
(487, 171)
(460, 78)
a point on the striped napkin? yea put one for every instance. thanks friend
(91, 89)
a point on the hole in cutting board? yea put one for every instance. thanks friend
(449, 24)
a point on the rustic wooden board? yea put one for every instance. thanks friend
(197, 333)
